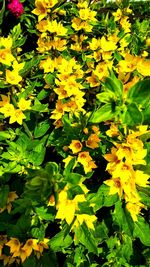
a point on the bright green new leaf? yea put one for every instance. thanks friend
(103, 114)
(60, 241)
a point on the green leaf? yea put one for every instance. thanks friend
(103, 114)
(51, 168)
(102, 198)
(142, 231)
(86, 238)
(114, 85)
(44, 214)
(49, 260)
(41, 128)
(30, 261)
(60, 241)
(106, 97)
(39, 107)
(50, 78)
(69, 167)
(133, 116)
(139, 93)
(4, 191)
(101, 232)
(42, 94)
(122, 218)
(39, 233)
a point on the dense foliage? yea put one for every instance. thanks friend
(74, 132)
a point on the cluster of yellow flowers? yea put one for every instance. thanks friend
(83, 157)
(68, 209)
(20, 251)
(12, 75)
(125, 177)
(15, 114)
(70, 96)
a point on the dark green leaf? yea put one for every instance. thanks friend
(41, 128)
(4, 191)
(85, 237)
(142, 231)
(139, 93)
(133, 116)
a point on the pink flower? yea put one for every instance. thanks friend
(16, 8)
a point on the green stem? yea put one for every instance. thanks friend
(27, 130)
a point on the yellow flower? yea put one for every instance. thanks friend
(141, 178)
(42, 244)
(118, 14)
(7, 110)
(113, 131)
(126, 25)
(143, 67)
(85, 159)
(67, 207)
(40, 10)
(115, 186)
(6, 42)
(107, 45)
(17, 116)
(6, 57)
(134, 209)
(47, 65)
(124, 171)
(88, 219)
(93, 141)
(21, 253)
(5, 100)
(14, 245)
(24, 104)
(75, 146)
(18, 66)
(30, 245)
(59, 44)
(95, 44)
(93, 80)
(13, 77)
(76, 24)
(148, 41)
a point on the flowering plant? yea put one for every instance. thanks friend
(74, 133)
